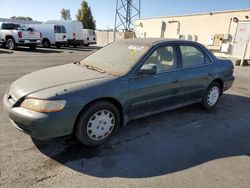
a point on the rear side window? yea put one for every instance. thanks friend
(10, 26)
(191, 56)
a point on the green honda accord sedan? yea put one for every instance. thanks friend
(125, 80)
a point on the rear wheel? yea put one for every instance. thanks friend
(46, 43)
(212, 95)
(98, 123)
(11, 44)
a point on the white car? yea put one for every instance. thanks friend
(13, 35)
(52, 34)
(74, 31)
(89, 36)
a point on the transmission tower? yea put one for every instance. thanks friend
(126, 11)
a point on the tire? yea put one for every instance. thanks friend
(46, 43)
(2, 45)
(212, 95)
(33, 47)
(11, 44)
(97, 123)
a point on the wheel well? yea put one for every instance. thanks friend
(45, 39)
(113, 101)
(9, 37)
(219, 81)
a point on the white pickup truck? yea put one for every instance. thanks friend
(13, 35)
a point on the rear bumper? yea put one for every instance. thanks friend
(64, 43)
(228, 83)
(74, 42)
(91, 42)
(29, 42)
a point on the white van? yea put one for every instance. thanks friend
(74, 31)
(89, 36)
(52, 34)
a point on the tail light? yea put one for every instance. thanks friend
(20, 34)
(41, 36)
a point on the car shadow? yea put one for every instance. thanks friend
(82, 48)
(5, 52)
(39, 50)
(161, 144)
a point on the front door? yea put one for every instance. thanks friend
(156, 92)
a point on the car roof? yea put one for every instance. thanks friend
(155, 41)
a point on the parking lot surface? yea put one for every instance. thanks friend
(187, 147)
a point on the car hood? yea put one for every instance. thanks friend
(53, 77)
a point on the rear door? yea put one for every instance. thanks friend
(60, 33)
(196, 72)
(155, 93)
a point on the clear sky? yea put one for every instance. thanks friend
(104, 10)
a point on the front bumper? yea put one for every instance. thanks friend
(41, 126)
(74, 42)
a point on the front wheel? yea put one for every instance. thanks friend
(11, 44)
(212, 95)
(97, 123)
(46, 43)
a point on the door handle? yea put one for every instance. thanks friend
(209, 74)
(175, 80)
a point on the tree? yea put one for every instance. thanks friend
(27, 18)
(65, 14)
(85, 16)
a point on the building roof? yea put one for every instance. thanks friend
(195, 14)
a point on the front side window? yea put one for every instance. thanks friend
(191, 56)
(164, 58)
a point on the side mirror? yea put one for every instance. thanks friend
(148, 69)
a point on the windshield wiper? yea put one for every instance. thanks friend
(94, 68)
(91, 67)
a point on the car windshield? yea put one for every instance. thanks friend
(117, 58)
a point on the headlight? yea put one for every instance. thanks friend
(40, 105)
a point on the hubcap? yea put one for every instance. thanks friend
(213, 96)
(101, 125)
(10, 44)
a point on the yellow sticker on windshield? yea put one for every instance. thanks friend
(132, 52)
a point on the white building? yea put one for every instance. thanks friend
(227, 33)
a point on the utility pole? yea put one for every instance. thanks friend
(126, 11)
